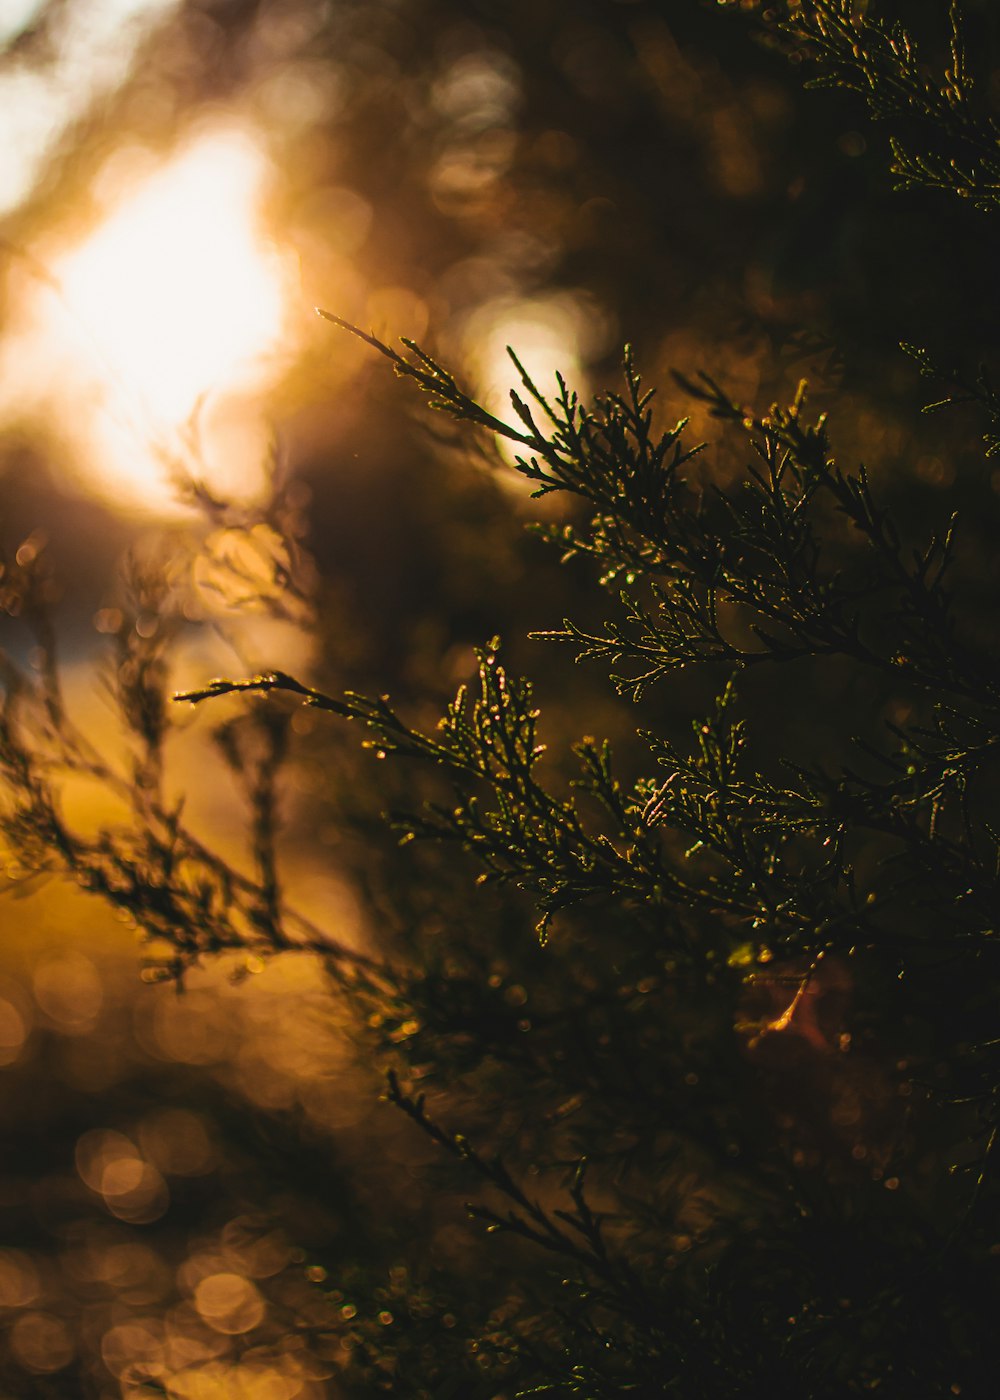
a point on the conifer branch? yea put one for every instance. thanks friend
(955, 142)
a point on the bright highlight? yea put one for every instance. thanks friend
(175, 304)
(176, 288)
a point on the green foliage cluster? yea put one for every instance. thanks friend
(954, 142)
(733, 1127)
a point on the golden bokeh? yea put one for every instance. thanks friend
(202, 1181)
(155, 334)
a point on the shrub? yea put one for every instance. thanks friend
(729, 1120)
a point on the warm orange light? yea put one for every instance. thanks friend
(549, 334)
(174, 303)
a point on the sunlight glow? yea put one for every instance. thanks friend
(165, 322)
(90, 47)
(175, 288)
(556, 333)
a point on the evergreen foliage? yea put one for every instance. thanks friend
(733, 1128)
(954, 142)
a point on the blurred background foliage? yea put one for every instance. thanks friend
(197, 1186)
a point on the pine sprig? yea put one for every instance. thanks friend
(745, 576)
(487, 744)
(576, 1236)
(955, 145)
(962, 389)
(760, 548)
(608, 454)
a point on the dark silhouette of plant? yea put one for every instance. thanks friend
(733, 1126)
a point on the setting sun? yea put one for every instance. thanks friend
(175, 303)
